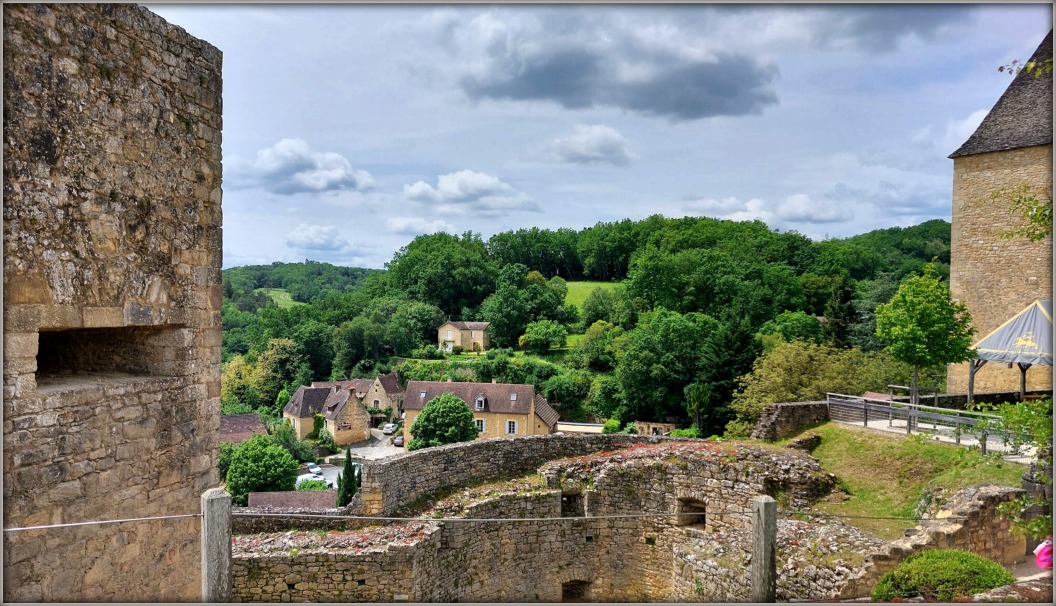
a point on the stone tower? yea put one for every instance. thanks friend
(996, 276)
(112, 296)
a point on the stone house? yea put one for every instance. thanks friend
(499, 409)
(385, 392)
(341, 408)
(994, 275)
(470, 336)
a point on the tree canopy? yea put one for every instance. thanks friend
(260, 465)
(444, 420)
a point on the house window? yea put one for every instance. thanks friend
(511, 427)
(480, 425)
(449, 335)
(480, 403)
(513, 397)
(422, 395)
(377, 403)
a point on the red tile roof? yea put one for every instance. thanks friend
(296, 499)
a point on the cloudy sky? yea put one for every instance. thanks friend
(349, 129)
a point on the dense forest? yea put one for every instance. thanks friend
(695, 315)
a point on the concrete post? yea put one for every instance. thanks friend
(216, 546)
(764, 550)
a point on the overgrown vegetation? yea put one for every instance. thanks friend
(942, 575)
(685, 305)
(883, 477)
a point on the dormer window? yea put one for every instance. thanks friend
(513, 397)
(480, 402)
(422, 396)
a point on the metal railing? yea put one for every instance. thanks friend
(917, 417)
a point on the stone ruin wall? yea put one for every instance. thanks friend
(997, 276)
(638, 559)
(616, 559)
(112, 297)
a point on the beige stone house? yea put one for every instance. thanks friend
(385, 392)
(341, 407)
(470, 336)
(499, 409)
(997, 276)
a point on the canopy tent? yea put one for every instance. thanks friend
(1025, 340)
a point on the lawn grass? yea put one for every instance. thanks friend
(579, 291)
(280, 296)
(888, 476)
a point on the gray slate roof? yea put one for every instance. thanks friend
(544, 411)
(307, 401)
(470, 325)
(1022, 117)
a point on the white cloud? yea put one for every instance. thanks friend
(410, 226)
(754, 209)
(319, 238)
(468, 191)
(591, 144)
(291, 167)
(799, 207)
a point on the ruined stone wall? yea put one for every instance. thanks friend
(779, 421)
(969, 520)
(393, 481)
(112, 296)
(611, 558)
(996, 277)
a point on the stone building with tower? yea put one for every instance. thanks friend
(112, 298)
(994, 275)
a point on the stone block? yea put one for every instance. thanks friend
(103, 317)
(26, 289)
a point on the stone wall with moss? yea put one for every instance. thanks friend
(112, 297)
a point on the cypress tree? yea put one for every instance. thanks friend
(347, 481)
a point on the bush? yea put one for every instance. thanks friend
(685, 433)
(631, 428)
(313, 485)
(325, 440)
(226, 451)
(611, 426)
(941, 574)
(427, 352)
(444, 420)
(259, 465)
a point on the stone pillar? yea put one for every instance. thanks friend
(764, 548)
(216, 546)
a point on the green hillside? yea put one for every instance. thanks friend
(579, 291)
(281, 297)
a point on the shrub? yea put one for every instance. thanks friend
(444, 420)
(941, 574)
(325, 440)
(259, 465)
(226, 451)
(313, 485)
(630, 428)
(427, 352)
(685, 433)
(611, 426)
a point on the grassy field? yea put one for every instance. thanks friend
(579, 291)
(890, 476)
(280, 296)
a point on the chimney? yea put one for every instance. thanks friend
(449, 379)
(494, 381)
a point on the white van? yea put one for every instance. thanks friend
(304, 477)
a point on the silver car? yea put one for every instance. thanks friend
(388, 429)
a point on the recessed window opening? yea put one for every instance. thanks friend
(138, 351)
(480, 402)
(572, 506)
(695, 510)
(575, 591)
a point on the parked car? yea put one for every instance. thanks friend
(388, 429)
(398, 440)
(313, 468)
(304, 477)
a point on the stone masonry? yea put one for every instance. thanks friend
(112, 296)
(568, 550)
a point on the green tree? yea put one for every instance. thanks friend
(611, 426)
(283, 435)
(225, 452)
(803, 372)
(599, 345)
(1033, 209)
(447, 271)
(444, 419)
(542, 336)
(923, 326)
(348, 481)
(279, 365)
(259, 465)
(313, 485)
(794, 326)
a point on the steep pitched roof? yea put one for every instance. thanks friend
(1022, 117)
(470, 325)
(335, 403)
(508, 398)
(239, 428)
(307, 401)
(545, 412)
(390, 384)
(360, 385)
